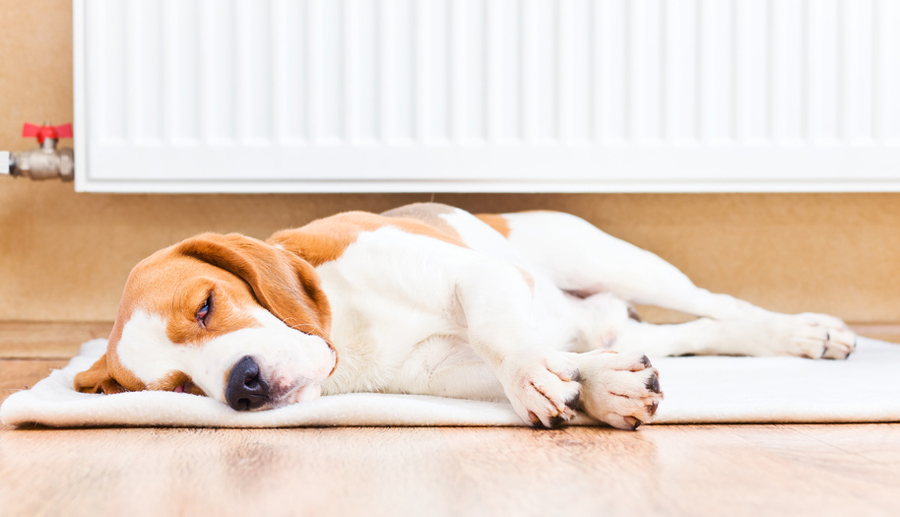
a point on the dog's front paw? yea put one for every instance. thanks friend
(542, 387)
(621, 390)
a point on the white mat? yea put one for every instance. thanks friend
(698, 390)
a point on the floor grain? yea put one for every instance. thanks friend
(661, 470)
(18, 374)
(47, 340)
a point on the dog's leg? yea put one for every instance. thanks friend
(581, 258)
(584, 259)
(495, 305)
(623, 390)
(620, 389)
(446, 366)
(779, 335)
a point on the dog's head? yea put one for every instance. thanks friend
(225, 316)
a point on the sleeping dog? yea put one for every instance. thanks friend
(533, 308)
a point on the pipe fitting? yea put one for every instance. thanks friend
(45, 162)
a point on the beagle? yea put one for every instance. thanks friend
(533, 308)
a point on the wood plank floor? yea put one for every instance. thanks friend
(658, 470)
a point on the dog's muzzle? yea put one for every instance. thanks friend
(246, 388)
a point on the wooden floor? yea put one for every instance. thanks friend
(658, 470)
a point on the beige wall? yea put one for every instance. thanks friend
(65, 256)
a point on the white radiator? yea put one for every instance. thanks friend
(487, 95)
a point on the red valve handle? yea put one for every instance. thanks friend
(47, 131)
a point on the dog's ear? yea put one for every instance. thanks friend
(282, 282)
(96, 379)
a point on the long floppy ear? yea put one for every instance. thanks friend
(96, 379)
(282, 282)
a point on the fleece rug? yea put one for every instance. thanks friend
(697, 390)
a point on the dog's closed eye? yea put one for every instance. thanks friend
(204, 313)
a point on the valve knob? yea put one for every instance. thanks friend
(46, 131)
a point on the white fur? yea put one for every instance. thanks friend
(145, 348)
(581, 257)
(484, 239)
(412, 314)
(418, 315)
(294, 363)
(515, 318)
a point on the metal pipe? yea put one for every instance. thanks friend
(46, 162)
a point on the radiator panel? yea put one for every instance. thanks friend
(469, 95)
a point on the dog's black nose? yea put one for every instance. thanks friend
(246, 390)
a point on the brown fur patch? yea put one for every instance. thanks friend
(97, 379)
(497, 222)
(281, 281)
(174, 379)
(240, 272)
(325, 240)
(428, 213)
(119, 374)
(229, 296)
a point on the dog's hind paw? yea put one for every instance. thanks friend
(839, 340)
(810, 335)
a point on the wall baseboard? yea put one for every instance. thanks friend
(883, 331)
